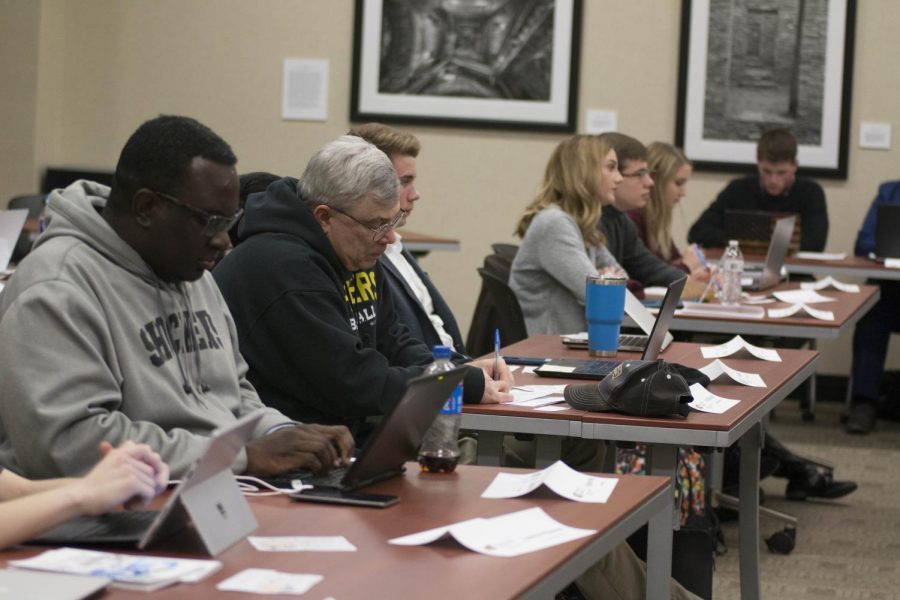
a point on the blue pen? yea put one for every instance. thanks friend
(496, 353)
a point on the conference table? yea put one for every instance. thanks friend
(742, 424)
(850, 266)
(420, 244)
(441, 570)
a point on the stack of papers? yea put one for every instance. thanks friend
(821, 255)
(703, 309)
(508, 535)
(801, 296)
(267, 581)
(536, 396)
(830, 281)
(559, 477)
(738, 343)
(128, 571)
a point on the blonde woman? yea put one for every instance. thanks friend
(671, 172)
(561, 244)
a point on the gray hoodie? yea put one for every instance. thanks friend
(87, 355)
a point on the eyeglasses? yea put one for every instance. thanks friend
(212, 224)
(380, 232)
(640, 174)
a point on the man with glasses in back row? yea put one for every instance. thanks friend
(111, 329)
(316, 322)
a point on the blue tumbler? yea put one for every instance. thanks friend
(604, 307)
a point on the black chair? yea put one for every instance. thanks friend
(35, 205)
(505, 250)
(497, 308)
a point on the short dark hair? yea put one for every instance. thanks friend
(627, 148)
(251, 183)
(159, 154)
(777, 145)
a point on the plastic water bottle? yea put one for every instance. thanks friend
(439, 452)
(732, 270)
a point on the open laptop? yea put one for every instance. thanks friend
(598, 369)
(749, 226)
(770, 275)
(392, 443)
(887, 226)
(634, 308)
(207, 504)
(11, 224)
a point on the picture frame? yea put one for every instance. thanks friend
(504, 65)
(750, 65)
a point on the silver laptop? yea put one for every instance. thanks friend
(207, 505)
(770, 275)
(395, 439)
(19, 584)
(598, 369)
(11, 224)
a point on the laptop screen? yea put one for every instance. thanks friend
(661, 325)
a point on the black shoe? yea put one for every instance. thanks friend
(818, 485)
(861, 419)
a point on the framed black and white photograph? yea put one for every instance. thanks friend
(752, 65)
(510, 64)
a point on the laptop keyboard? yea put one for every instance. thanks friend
(633, 340)
(119, 523)
(332, 479)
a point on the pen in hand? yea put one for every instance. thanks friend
(496, 373)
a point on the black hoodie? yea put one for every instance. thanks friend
(324, 344)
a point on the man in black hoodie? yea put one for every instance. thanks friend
(315, 324)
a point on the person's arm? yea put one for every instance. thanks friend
(865, 238)
(62, 390)
(814, 220)
(640, 263)
(131, 472)
(561, 253)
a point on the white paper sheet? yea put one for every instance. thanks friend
(537, 395)
(267, 581)
(722, 311)
(758, 299)
(801, 297)
(821, 255)
(559, 477)
(508, 535)
(738, 343)
(892, 263)
(553, 408)
(295, 543)
(830, 281)
(717, 368)
(706, 401)
(780, 313)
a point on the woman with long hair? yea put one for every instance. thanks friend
(671, 172)
(561, 244)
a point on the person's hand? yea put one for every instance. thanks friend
(496, 392)
(318, 448)
(700, 274)
(130, 474)
(487, 365)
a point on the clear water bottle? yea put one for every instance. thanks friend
(439, 452)
(732, 270)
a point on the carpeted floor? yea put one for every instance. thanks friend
(849, 548)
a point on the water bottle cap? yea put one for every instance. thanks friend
(732, 242)
(440, 352)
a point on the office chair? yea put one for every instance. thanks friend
(505, 250)
(497, 308)
(35, 205)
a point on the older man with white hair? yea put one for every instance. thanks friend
(315, 322)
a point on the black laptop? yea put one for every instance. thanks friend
(598, 369)
(887, 226)
(392, 443)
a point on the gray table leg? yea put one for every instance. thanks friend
(749, 512)
(661, 459)
(810, 413)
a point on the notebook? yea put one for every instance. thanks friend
(887, 224)
(770, 274)
(393, 442)
(11, 223)
(207, 505)
(598, 369)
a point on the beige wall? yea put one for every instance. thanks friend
(85, 73)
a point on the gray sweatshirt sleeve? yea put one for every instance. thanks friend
(62, 389)
(559, 250)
